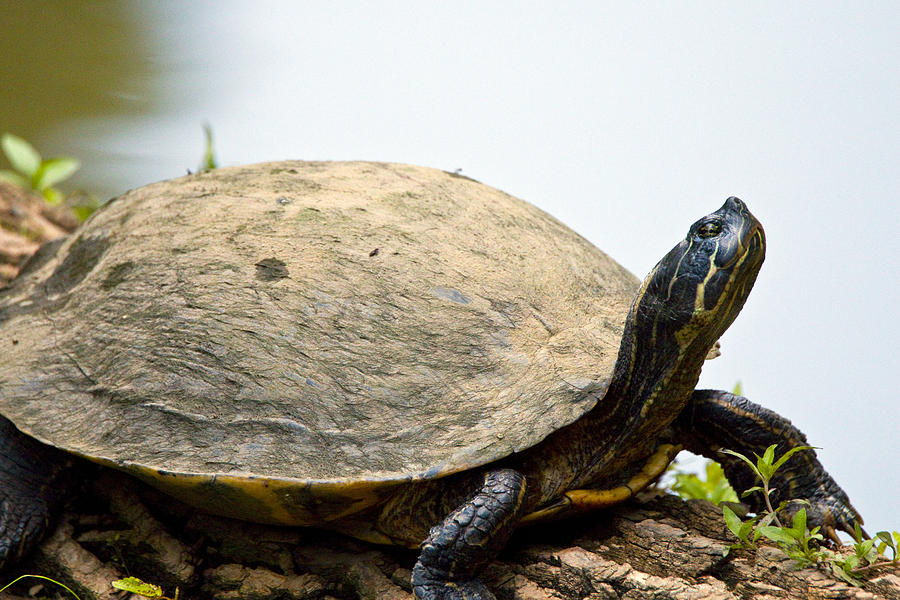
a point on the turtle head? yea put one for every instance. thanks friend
(684, 305)
(697, 289)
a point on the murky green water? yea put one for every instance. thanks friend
(75, 76)
(72, 70)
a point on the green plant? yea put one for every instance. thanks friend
(797, 541)
(209, 161)
(741, 528)
(31, 172)
(21, 577)
(764, 469)
(714, 488)
(141, 588)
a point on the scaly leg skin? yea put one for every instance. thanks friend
(714, 420)
(31, 488)
(468, 538)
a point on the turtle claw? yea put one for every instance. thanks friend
(714, 420)
(833, 513)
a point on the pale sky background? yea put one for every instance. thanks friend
(627, 121)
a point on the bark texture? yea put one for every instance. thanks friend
(658, 547)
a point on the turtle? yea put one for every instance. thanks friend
(398, 353)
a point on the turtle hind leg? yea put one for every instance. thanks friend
(468, 538)
(715, 420)
(32, 478)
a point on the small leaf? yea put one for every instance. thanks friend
(755, 488)
(764, 469)
(769, 455)
(741, 510)
(733, 522)
(56, 170)
(83, 211)
(863, 548)
(789, 454)
(22, 155)
(136, 586)
(746, 527)
(777, 534)
(764, 463)
(799, 527)
(885, 536)
(743, 458)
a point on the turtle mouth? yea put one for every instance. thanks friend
(726, 286)
(752, 251)
(757, 245)
(743, 252)
(751, 238)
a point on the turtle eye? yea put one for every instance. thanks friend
(708, 230)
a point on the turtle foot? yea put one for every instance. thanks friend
(714, 420)
(469, 537)
(29, 491)
(22, 524)
(829, 508)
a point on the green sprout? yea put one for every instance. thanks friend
(209, 161)
(764, 469)
(141, 588)
(31, 172)
(797, 541)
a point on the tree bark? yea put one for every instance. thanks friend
(657, 547)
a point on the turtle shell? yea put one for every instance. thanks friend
(320, 329)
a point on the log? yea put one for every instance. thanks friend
(658, 546)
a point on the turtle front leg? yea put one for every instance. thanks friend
(715, 420)
(31, 488)
(468, 538)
